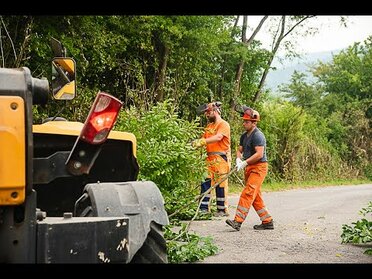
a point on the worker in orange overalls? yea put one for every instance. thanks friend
(251, 156)
(216, 138)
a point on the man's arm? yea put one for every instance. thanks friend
(214, 138)
(256, 156)
(204, 141)
(239, 152)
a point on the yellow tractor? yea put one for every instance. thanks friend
(68, 190)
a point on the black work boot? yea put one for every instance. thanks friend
(234, 224)
(265, 226)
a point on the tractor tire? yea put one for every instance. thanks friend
(154, 249)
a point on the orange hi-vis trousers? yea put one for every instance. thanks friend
(251, 195)
(218, 168)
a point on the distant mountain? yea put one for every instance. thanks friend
(285, 69)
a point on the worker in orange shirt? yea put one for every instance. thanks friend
(216, 139)
(251, 157)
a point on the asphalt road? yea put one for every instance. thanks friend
(308, 225)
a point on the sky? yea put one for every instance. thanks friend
(331, 35)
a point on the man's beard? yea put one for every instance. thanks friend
(212, 118)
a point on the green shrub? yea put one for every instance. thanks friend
(368, 171)
(360, 232)
(164, 152)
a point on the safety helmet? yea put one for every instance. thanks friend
(208, 107)
(247, 113)
(251, 114)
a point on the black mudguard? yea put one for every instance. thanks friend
(140, 201)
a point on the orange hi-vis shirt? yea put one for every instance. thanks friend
(217, 166)
(220, 127)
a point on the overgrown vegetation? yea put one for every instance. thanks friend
(361, 230)
(321, 131)
(339, 103)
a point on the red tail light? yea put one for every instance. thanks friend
(101, 118)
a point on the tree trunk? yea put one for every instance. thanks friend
(240, 66)
(24, 46)
(281, 36)
(160, 75)
(223, 68)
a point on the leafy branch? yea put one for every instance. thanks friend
(360, 232)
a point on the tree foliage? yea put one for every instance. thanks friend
(145, 60)
(340, 100)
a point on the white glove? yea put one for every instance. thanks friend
(241, 164)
